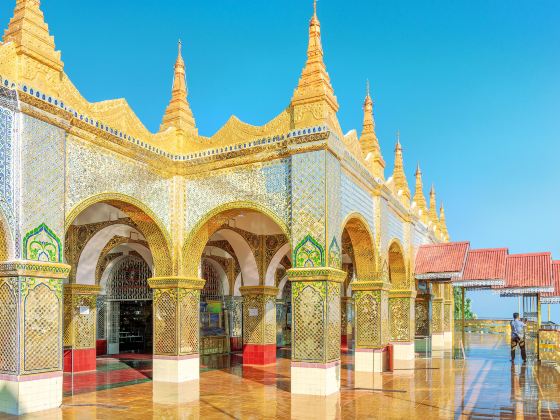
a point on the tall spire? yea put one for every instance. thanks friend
(368, 139)
(419, 198)
(433, 208)
(30, 34)
(314, 85)
(399, 177)
(442, 223)
(178, 113)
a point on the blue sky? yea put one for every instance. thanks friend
(473, 86)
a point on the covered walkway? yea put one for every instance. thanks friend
(485, 385)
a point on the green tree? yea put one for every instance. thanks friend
(469, 314)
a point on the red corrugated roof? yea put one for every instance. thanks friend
(555, 280)
(485, 264)
(441, 258)
(529, 270)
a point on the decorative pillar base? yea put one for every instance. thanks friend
(176, 369)
(437, 342)
(259, 354)
(448, 340)
(315, 378)
(371, 360)
(175, 393)
(259, 324)
(403, 351)
(84, 360)
(30, 393)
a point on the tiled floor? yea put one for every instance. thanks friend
(485, 385)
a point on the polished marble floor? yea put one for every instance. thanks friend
(485, 385)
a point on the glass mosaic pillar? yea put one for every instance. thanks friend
(346, 304)
(401, 314)
(234, 306)
(176, 328)
(31, 306)
(259, 324)
(438, 315)
(80, 319)
(371, 309)
(448, 316)
(316, 330)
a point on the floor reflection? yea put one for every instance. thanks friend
(485, 385)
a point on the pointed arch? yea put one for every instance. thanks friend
(149, 224)
(397, 265)
(363, 246)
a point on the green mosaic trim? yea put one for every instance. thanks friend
(334, 254)
(42, 244)
(319, 286)
(309, 253)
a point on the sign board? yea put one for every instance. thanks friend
(253, 311)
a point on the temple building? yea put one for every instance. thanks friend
(115, 239)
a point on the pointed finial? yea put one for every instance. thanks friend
(398, 145)
(418, 171)
(367, 88)
(314, 7)
(180, 46)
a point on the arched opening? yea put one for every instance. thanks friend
(359, 263)
(397, 267)
(249, 249)
(114, 243)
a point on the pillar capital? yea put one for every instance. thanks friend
(411, 294)
(258, 290)
(176, 282)
(81, 289)
(316, 274)
(26, 268)
(365, 285)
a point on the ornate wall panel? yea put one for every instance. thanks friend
(334, 216)
(401, 317)
(8, 325)
(92, 170)
(308, 199)
(259, 319)
(189, 310)
(84, 337)
(234, 304)
(42, 176)
(368, 318)
(422, 317)
(355, 199)
(42, 324)
(165, 321)
(101, 308)
(6, 164)
(267, 184)
(308, 312)
(437, 316)
(333, 321)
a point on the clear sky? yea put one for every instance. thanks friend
(473, 86)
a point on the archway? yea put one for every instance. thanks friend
(359, 262)
(114, 243)
(397, 267)
(255, 242)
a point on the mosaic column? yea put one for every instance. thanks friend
(437, 318)
(80, 319)
(371, 311)
(259, 324)
(234, 306)
(315, 330)
(346, 304)
(176, 328)
(31, 306)
(448, 316)
(401, 314)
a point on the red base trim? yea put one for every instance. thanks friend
(344, 342)
(236, 343)
(101, 347)
(259, 354)
(84, 360)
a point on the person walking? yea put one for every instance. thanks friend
(517, 337)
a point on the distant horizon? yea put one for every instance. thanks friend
(472, 86)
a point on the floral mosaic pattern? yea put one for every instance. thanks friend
(309, 253)
(41, 244)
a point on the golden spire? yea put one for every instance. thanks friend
(442, 223)
(419, 198)
(178, 113)
(433, 208)
(399, 177)
(314, 85)
(30, 34)
(368, 139)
